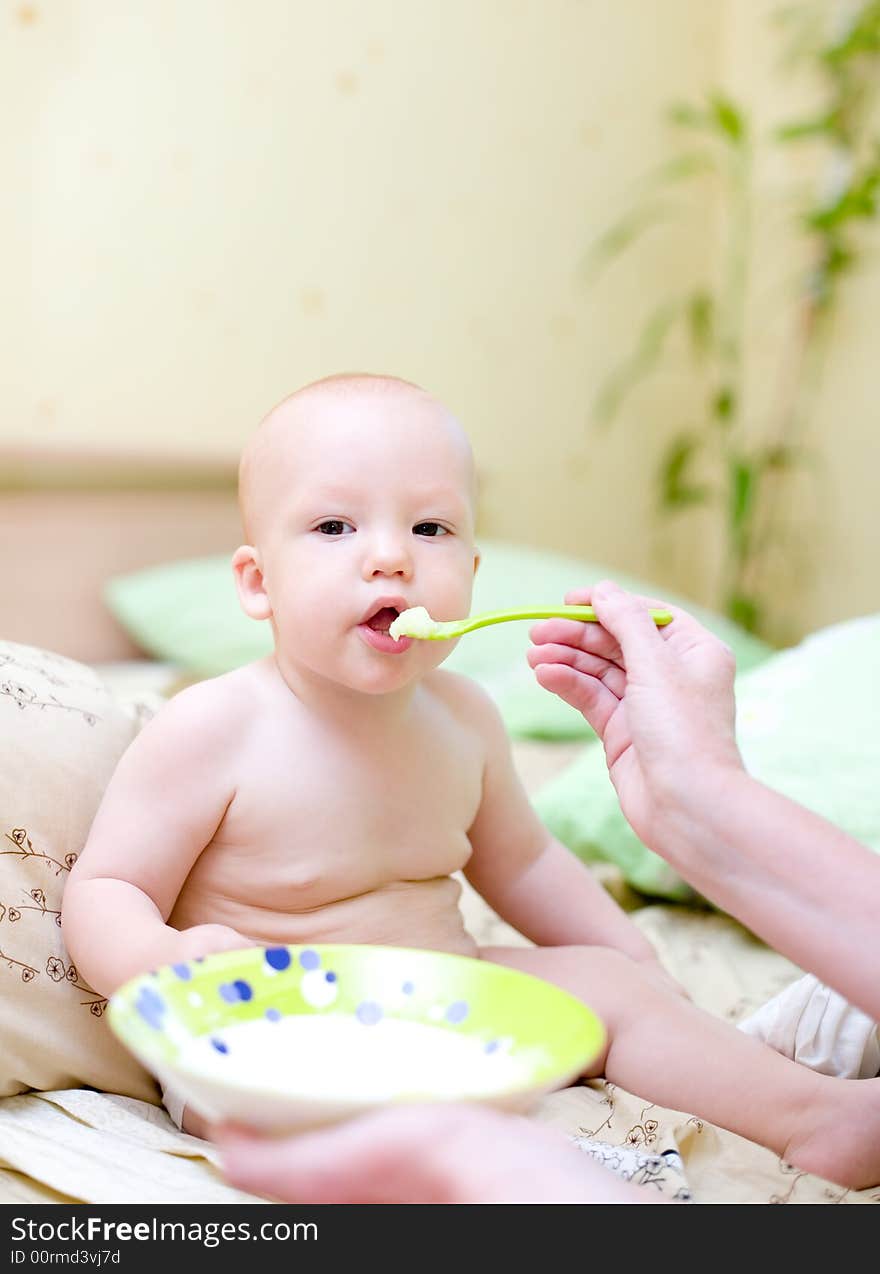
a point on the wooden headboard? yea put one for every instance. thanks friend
(69, 521)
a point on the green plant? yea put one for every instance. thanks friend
(735, 465)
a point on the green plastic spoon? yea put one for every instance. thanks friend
(416, 622)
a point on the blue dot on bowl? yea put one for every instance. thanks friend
(457, 1012)
(151, 1007)
(330, 977)
(309, 959)
(183, 971)
(408, 988)
(244, 989)
(228, 992)
(491, 1047)
(368, 1013)
(273, 1015)
(219, 1045)
(277, 958)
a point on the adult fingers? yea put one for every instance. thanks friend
(584, 597)
(629, 620)
(582, 661)
(588, 695)
(573, 632)
(376, 1158)
(336, 1165)
(684, 625)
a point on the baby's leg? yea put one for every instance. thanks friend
(662, 1047)
(182, 1115)
(196, 1125)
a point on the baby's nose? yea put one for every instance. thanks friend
(388, 557)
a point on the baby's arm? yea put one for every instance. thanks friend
(524, 873)
(162, 806)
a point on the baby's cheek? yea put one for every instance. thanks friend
(317, 608)
(455, 589)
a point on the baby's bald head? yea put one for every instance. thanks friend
(354, 405)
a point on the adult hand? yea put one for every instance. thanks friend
(423, 1154)
(660, 699)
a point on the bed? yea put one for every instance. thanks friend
(67, 524)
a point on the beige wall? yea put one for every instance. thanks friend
(219, 201)
(216, 201)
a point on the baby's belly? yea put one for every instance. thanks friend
(410, 913)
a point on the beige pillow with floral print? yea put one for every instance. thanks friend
(61, 735)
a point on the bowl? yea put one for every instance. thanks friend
(289, 1037)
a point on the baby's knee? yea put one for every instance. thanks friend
(633, 985)
(604, 963)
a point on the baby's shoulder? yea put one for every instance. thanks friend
(465, 699)
(209, 711)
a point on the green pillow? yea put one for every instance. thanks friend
(187, 613)
(801, 729)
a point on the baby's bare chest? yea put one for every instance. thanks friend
(316, 820)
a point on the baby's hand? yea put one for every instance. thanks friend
(204, 940)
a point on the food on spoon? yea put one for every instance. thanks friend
(415, 622)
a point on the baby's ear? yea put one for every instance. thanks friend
(252, 593)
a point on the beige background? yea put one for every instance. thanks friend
(209, 203)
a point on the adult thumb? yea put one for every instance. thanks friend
(629, 621)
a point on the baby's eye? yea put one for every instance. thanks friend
(429, 528)
(335, 526)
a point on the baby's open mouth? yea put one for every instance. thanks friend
(383, 619)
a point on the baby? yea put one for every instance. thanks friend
(329, 792)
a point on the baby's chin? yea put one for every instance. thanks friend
(384, 674)
(384, 677)
(351, 664)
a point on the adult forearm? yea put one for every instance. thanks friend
(804, 886)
